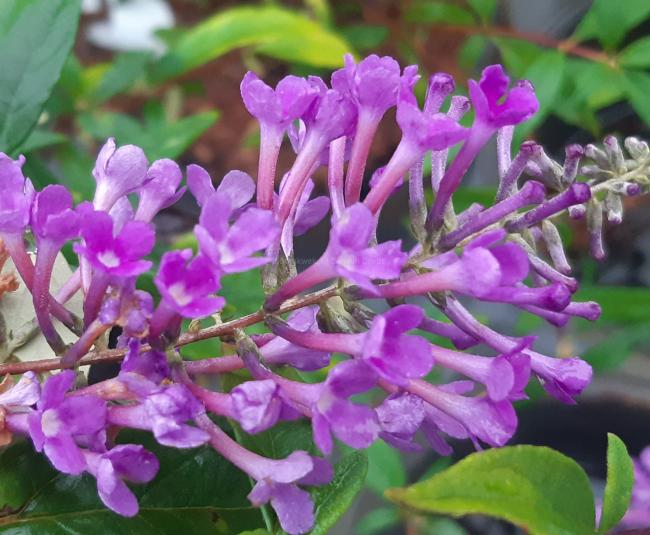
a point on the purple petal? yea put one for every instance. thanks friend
(200, 183)
(311, 214)
(133, 462)
(351, 377)
(55, 388)
(354, 425)
(64, 454)
(114, 492)
(237, 186)
(294, 507)
(256, 405)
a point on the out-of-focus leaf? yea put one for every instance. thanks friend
(636, 55)
(485, 9)
(166, 140)
(534, 487)
(364, 36)
(39, 139)
(517, 54)
(616, 348)
(334, 499)
(637, 89)
(547, 74)
(428, 12)
(208, 494)
(120, 75)
(440, 526)
(621, 304)
(620, 480)
(612, 21)
(272, 30)
(377, 521)
(76, 171)
(35, 39)
(385, 469)
(471, 52)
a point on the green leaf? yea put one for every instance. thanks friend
(517, 54)
(613, 20)
(39, 139)
(617, 347)
(485, 9)
(621, 305)
(385, 467)
(35, 39)
(534, 487)
(620, 480)
(636, 55)
(638, 88)
(209, 496)
(274, 31)
(364, 36)
(377, 521)
(471, 52)
(438, 12)
(120, 75)
(334, 499)
(158, 139)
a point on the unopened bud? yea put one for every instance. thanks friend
(614, 207)
(614, 154)
(555, 247)
(595, 228)
(638, 149)
(597, 155)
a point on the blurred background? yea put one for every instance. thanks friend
(165, 74)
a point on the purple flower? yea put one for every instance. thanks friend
(277, 108)
(163, 410)
(160, 189)
(280, 351)
(53, 218)
(394, 356)
(25, 393)
(638, 513)
(348, 255)
(61, 422)
(258, 405)
(116, 254)
(237, 186)
(563, 378)
(128, 462)
(331, 114)
(494, 105)
(186, 284)
(151, 365)
(373, 83)
(400, 416)
(17, 197)
(229, 248)
(118, 172)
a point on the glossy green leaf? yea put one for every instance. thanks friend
(438, 12)
(334, 499)
(620, 480)
(485, 9)
(385, 467)
(35, 39)
(157, 139)
(272, 30)
(208, 497)
(636, 55)
(638, 89)
(539, 489)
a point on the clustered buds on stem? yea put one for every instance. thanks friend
(510, 252)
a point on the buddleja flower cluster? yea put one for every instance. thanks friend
(509, 252)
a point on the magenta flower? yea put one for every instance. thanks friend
(160, 189)
(53, 218)
(348, 255)
(400, 417)
(237, 186)
(118, 172)
(62, 422)
(163, 410)
(25, 393)
(151, 365)
(18, 195)
(186, 285)
(118, 254)
(126, 462)
(229, 248)
(259, 405)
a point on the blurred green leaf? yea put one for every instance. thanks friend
(638, 89)
(364, 36)
(534, 487)
(471, 52)
(158, 140)
(386, 468)
(334, 499)
(35, 39)
(208, 493)
(620, 304)
(39, 139)
(485, 9)
(636, 55)
(75, 171)
(614, 20)
(620, 480)
(517, 54)
(120, 75)
(278, 32)
(440, 526)
(431, 12)
(617, 347)
(377, 521)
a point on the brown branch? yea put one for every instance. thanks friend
(568, 46)
(223, 329)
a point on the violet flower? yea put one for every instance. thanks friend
(259, 405)
(275, 110)
(117, 172)
(16, 401)
(163, 410)
(160, 189)
(347, 255)
(495, 106)
(128, 462)
(237, 186)
(62, 422)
